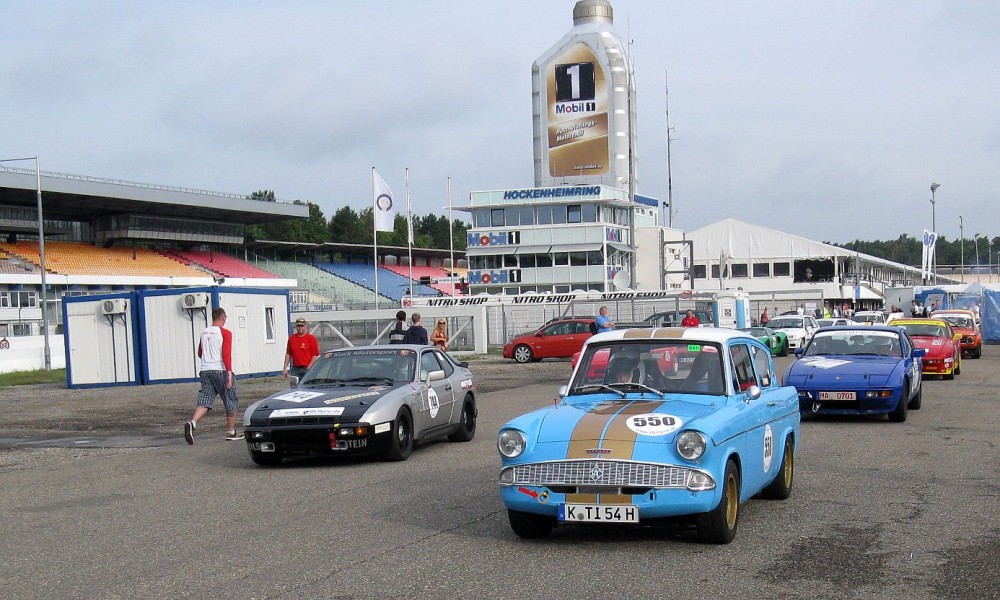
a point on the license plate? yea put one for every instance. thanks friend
(599, 513)
(837, 396)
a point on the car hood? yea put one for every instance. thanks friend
(796, 331)
(811, 370)
(347, 402)
(941, 348)
(592, 419)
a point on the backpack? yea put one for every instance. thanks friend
(593, 327)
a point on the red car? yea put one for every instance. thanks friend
(944, 355)
(558, 339)
(963, 322)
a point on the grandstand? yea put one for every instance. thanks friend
(220, 264)
(390, 284)
(434, 273)
(74, 258)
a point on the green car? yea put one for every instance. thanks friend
(774, 339)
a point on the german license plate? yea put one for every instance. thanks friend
(837, 396)
(599, 513)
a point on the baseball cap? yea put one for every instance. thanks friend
(300, 321)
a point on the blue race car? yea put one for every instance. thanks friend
(631, 441)
(858, 370)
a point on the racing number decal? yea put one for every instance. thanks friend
(768, 447)
(433, 402)
(653, 424)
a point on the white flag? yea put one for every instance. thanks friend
(385, 212)
(927, 256)
(409, 219)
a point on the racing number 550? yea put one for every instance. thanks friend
(653, 421)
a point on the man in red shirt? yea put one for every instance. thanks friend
(301, 352)
(690, 320)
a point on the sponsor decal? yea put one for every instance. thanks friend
(598, 451)
(559, 192)
(377, 388)
(351, 397)
(654, 424)
(298, 396)
(466, 384)
(501, 276)
(500, 238)
(322, 411)
(821, 362)
(559, 298)
(382, 427)
(768, 447)
(528, 491)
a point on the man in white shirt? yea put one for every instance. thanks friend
(217, 379)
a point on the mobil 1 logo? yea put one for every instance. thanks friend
(575, 82)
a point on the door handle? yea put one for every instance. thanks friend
(772, 404)
(447, 387)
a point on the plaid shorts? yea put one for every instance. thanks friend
(213, 383)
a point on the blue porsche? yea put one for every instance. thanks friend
(858, 370)
(634, 440)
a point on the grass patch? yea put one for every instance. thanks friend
(30, 377)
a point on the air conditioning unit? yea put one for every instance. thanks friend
(114, 306)
(194, 300)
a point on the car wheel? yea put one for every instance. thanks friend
(949, 376)
(915, 402)
(529, 525)
(958, 365)
(719, 525)
(977, 353)
(781, 487)
(522, 354)
(784, 348)
(266, 459)
(401, 444)
(899, 414)
(467, 423)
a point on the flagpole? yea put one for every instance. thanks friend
(375, 237)
(409, 230)
(451, 240)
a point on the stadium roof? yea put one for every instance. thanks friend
(80, 198)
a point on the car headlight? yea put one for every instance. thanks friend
(511, 443)
(691, 445)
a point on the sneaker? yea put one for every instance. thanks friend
(234, 436)
(189, 432)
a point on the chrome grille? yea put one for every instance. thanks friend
(616, 473)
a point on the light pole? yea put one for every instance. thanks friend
(961, 235)
(41, 257)
(934, 187)
(975, 240)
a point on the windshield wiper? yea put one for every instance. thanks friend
(641, 386)
(372, 378)
(322, 380)
(597, 386)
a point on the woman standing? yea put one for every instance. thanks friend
(439, 337)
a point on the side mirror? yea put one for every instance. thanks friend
(799, 351)
(563, 391)
(430, 376)
(538, 334)
(753, 392)
(293, 381)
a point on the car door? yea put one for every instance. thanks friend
(437, 398)
(765, 416)
(555, 341)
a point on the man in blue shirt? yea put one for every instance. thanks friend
(604, 322)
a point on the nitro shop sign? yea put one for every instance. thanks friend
(487, 277)
(500, 238)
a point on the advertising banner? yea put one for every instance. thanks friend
(577, 106)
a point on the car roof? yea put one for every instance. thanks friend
(701, 334)
(862, 328)
(921, 322)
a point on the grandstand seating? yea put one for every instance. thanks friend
(450, 289)
(74, 258)
(337, 289)
(390, 284)
(220, 264)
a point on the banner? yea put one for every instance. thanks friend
(927, 254)
(385, 212)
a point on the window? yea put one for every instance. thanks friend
(699, 271)
(762, 269)
(543, 260)
(574, 213)
(445, 363)
(269, 323)
(595, 258)
(561, 258)
(428, 362)
(527, 261)
(20, 329)
(558, 215)
(738, 270)
(496, 217)
(782, 269)
(715, 271)
(578, 259)
(589, 213)
(562, 289)
(481, 218)
(527, 215)
(762, 362)
(544, 215)
(743, 374)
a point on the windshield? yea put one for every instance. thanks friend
(870, 317)
(925, 330)
(672, 366)
(785, 323)
(363, 367)
(854, 342)
(958, 320)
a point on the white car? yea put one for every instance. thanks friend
(798, 328)
(870, 317)
(834, 321)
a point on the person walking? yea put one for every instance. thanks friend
(301, 351)
(690, 320)
(398, 329)
(217, 379)
(603, 321)
(416, 334)
(439, 336)
(764, 317)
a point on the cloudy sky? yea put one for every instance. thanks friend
(828, 120)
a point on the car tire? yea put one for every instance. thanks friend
(949, 376)
(529, 525)
(898, 415)
(401, 443)
(719, 525)
(523, 354)
(266, 459)
(781, 487)
(978, 352)
(466, 424)
(784, 348)
(915, 402)
(958, 366)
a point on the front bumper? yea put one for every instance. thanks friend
(318, 440)
(937, 366)
(809, 402)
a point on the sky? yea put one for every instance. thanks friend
(828, 120)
